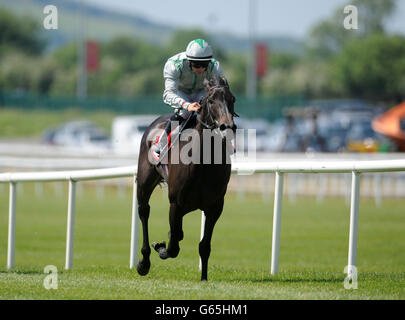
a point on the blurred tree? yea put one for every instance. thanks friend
(234, 68)
(66, 56)
(106, 80)
(134, 55)
(64, 83)
(21, 33)
(16, 76)
(283, 61)
(373, 68)
(44, 75)
(328, 37)
(18, 71)
(373, 15)
(145, 82)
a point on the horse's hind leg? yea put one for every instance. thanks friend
(147, 184)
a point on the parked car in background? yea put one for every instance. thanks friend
(127, 131)
(339, 128)
(262, 130)
(81, 134)
(276, 137)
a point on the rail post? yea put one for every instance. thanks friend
(133, 257)
(278, 197)
(11, 225)
(70, 225)
(354, 223)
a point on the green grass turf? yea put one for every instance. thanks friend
(313, 252)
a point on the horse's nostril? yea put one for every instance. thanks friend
(222, 127)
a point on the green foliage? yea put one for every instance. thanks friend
(283, 61)
(365, 63)
(373, 67)
(235, 70)
(328, 37)
(20, 33)
(373, 14)
(66, 56)
(134, 55)
(128, 67)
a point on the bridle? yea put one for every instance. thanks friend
(212, 126)
(214, 123)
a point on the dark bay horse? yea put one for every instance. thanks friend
(197, 185)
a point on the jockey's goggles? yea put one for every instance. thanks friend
(199, 64)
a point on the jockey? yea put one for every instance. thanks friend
(184, 74)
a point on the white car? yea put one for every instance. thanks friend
(127, 131)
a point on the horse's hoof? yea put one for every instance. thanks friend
(163, 253)
(160, 247)
(143, 267)
(173, 252)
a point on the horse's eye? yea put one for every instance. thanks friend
(210, 100)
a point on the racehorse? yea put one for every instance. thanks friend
(200, 185)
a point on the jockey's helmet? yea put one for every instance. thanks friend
(199, 50)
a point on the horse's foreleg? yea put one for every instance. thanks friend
(176, 230)
(175, 235)
(212, 216)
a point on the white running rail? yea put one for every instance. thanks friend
(72, 177)
(277, 167)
